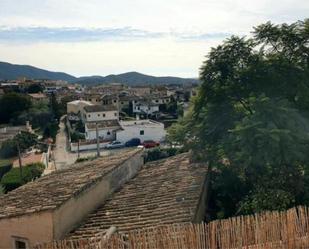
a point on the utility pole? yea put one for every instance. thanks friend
(20, 162)
(98, 141)
(78, 148)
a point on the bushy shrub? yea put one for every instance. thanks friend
(5, 166)
(51, 130)
(11, 180)
(84, 159)
(160, 153)
(8, 149)
(75, 136)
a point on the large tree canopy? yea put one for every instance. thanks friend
(11, 105)
(250, 119)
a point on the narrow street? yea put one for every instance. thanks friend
(62, 156)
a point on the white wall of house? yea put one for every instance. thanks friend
(83, 147)
(142, 129)
(106, 134)
(149, 109)
(100, 116)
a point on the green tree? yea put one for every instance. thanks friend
(12, 104)
(51, 130)
(55, 107)
(250, 116)
(35, 88)
(24, 139)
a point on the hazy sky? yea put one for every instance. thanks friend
(159, 37)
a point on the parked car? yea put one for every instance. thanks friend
(114, 145)
(133, 142)
(150, 144)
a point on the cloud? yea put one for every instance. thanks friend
(201, 36)
(46, 34)
(67, 34)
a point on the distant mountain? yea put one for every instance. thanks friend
(10, 72)
(133, 78)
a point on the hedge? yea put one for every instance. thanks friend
(160, 153)
(5, 166)
(11, 180)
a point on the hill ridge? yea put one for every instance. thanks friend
(10, 71)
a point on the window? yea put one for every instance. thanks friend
(157, 101)
(20, 244)
(115, 114)
(141, 132)
(98, 115)
(89, 115)
(103, 115)
(108, 133)
(122, 102)
(115, 101)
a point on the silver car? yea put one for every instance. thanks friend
(114, 145)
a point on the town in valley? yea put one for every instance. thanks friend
(154, 124)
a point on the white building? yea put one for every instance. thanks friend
(105, 118)
(106, 130)
(96, 113)
(142, 129)
(145, 107)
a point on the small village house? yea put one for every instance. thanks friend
(145, 108)
(142, 129)
(50, 207)
(103, 118)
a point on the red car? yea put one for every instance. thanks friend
(150, 144)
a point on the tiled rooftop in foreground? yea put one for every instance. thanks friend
(50, 191)
(164, 192)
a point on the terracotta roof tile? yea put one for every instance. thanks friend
(163, 192)
(50, 191)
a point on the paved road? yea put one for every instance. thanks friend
(64, 158)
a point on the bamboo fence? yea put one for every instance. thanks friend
(269, 230)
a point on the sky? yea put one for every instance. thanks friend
(157, 37)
